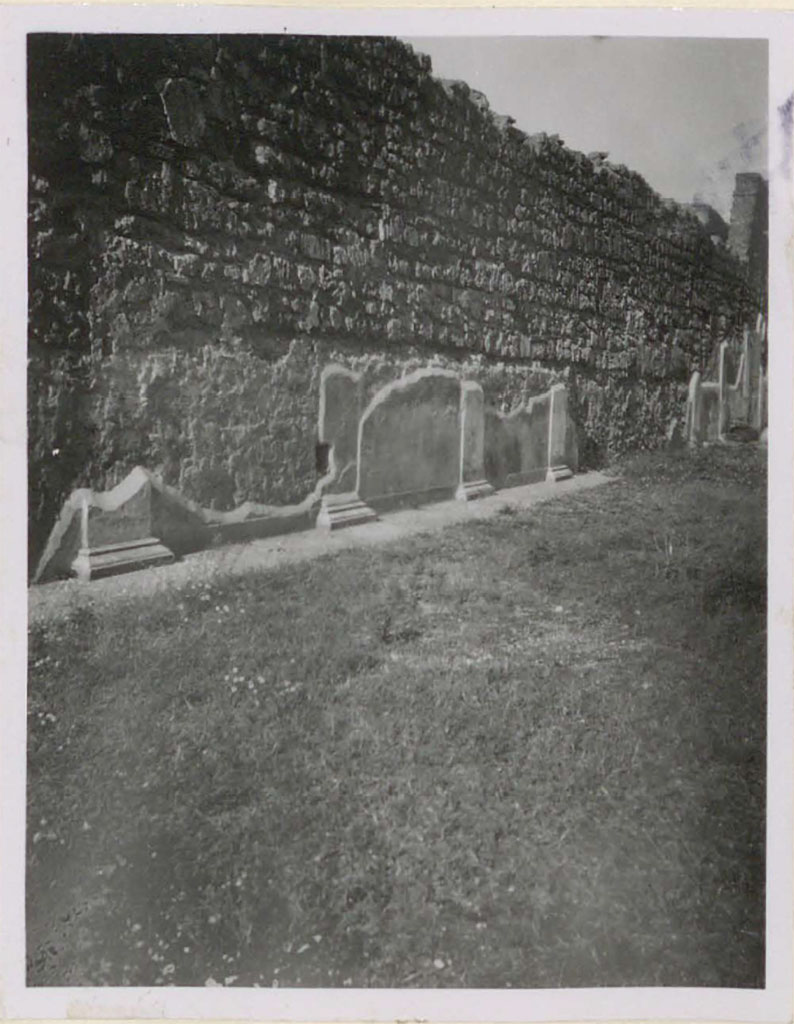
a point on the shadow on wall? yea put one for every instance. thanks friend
(427, 436)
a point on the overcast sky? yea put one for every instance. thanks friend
(686, 113)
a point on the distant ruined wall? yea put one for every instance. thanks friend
(749, 231)
(214, 219)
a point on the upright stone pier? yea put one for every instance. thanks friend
(722, 378)
(560, 443)
(692, 429)
(337, 431)
(472, 443)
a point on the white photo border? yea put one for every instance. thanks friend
(774, 1002)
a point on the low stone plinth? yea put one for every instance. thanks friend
(340, 510)
(473, 489)
(115, 559)
(556, 473)
(143, 522)
(115, 536)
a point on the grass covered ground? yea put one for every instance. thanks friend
(527, 751)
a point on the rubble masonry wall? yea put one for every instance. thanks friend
(214, 219)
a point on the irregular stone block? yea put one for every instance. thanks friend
(183, 110)
(409, 441)
(95, 147)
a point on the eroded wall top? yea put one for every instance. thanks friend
(261, 187)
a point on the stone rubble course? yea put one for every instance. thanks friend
(215, 219)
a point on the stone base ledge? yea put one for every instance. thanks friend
(557, 473)
(530, 476)
(115, 559)
(473, 489)
(383, 503)
(340, 510)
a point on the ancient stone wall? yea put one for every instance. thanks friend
(214, 219)
(749, 230)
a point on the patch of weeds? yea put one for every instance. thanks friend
(392, 631)
(736, 588)
(673, 555)
(539, 552)
(360, 660)
(72, 635)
